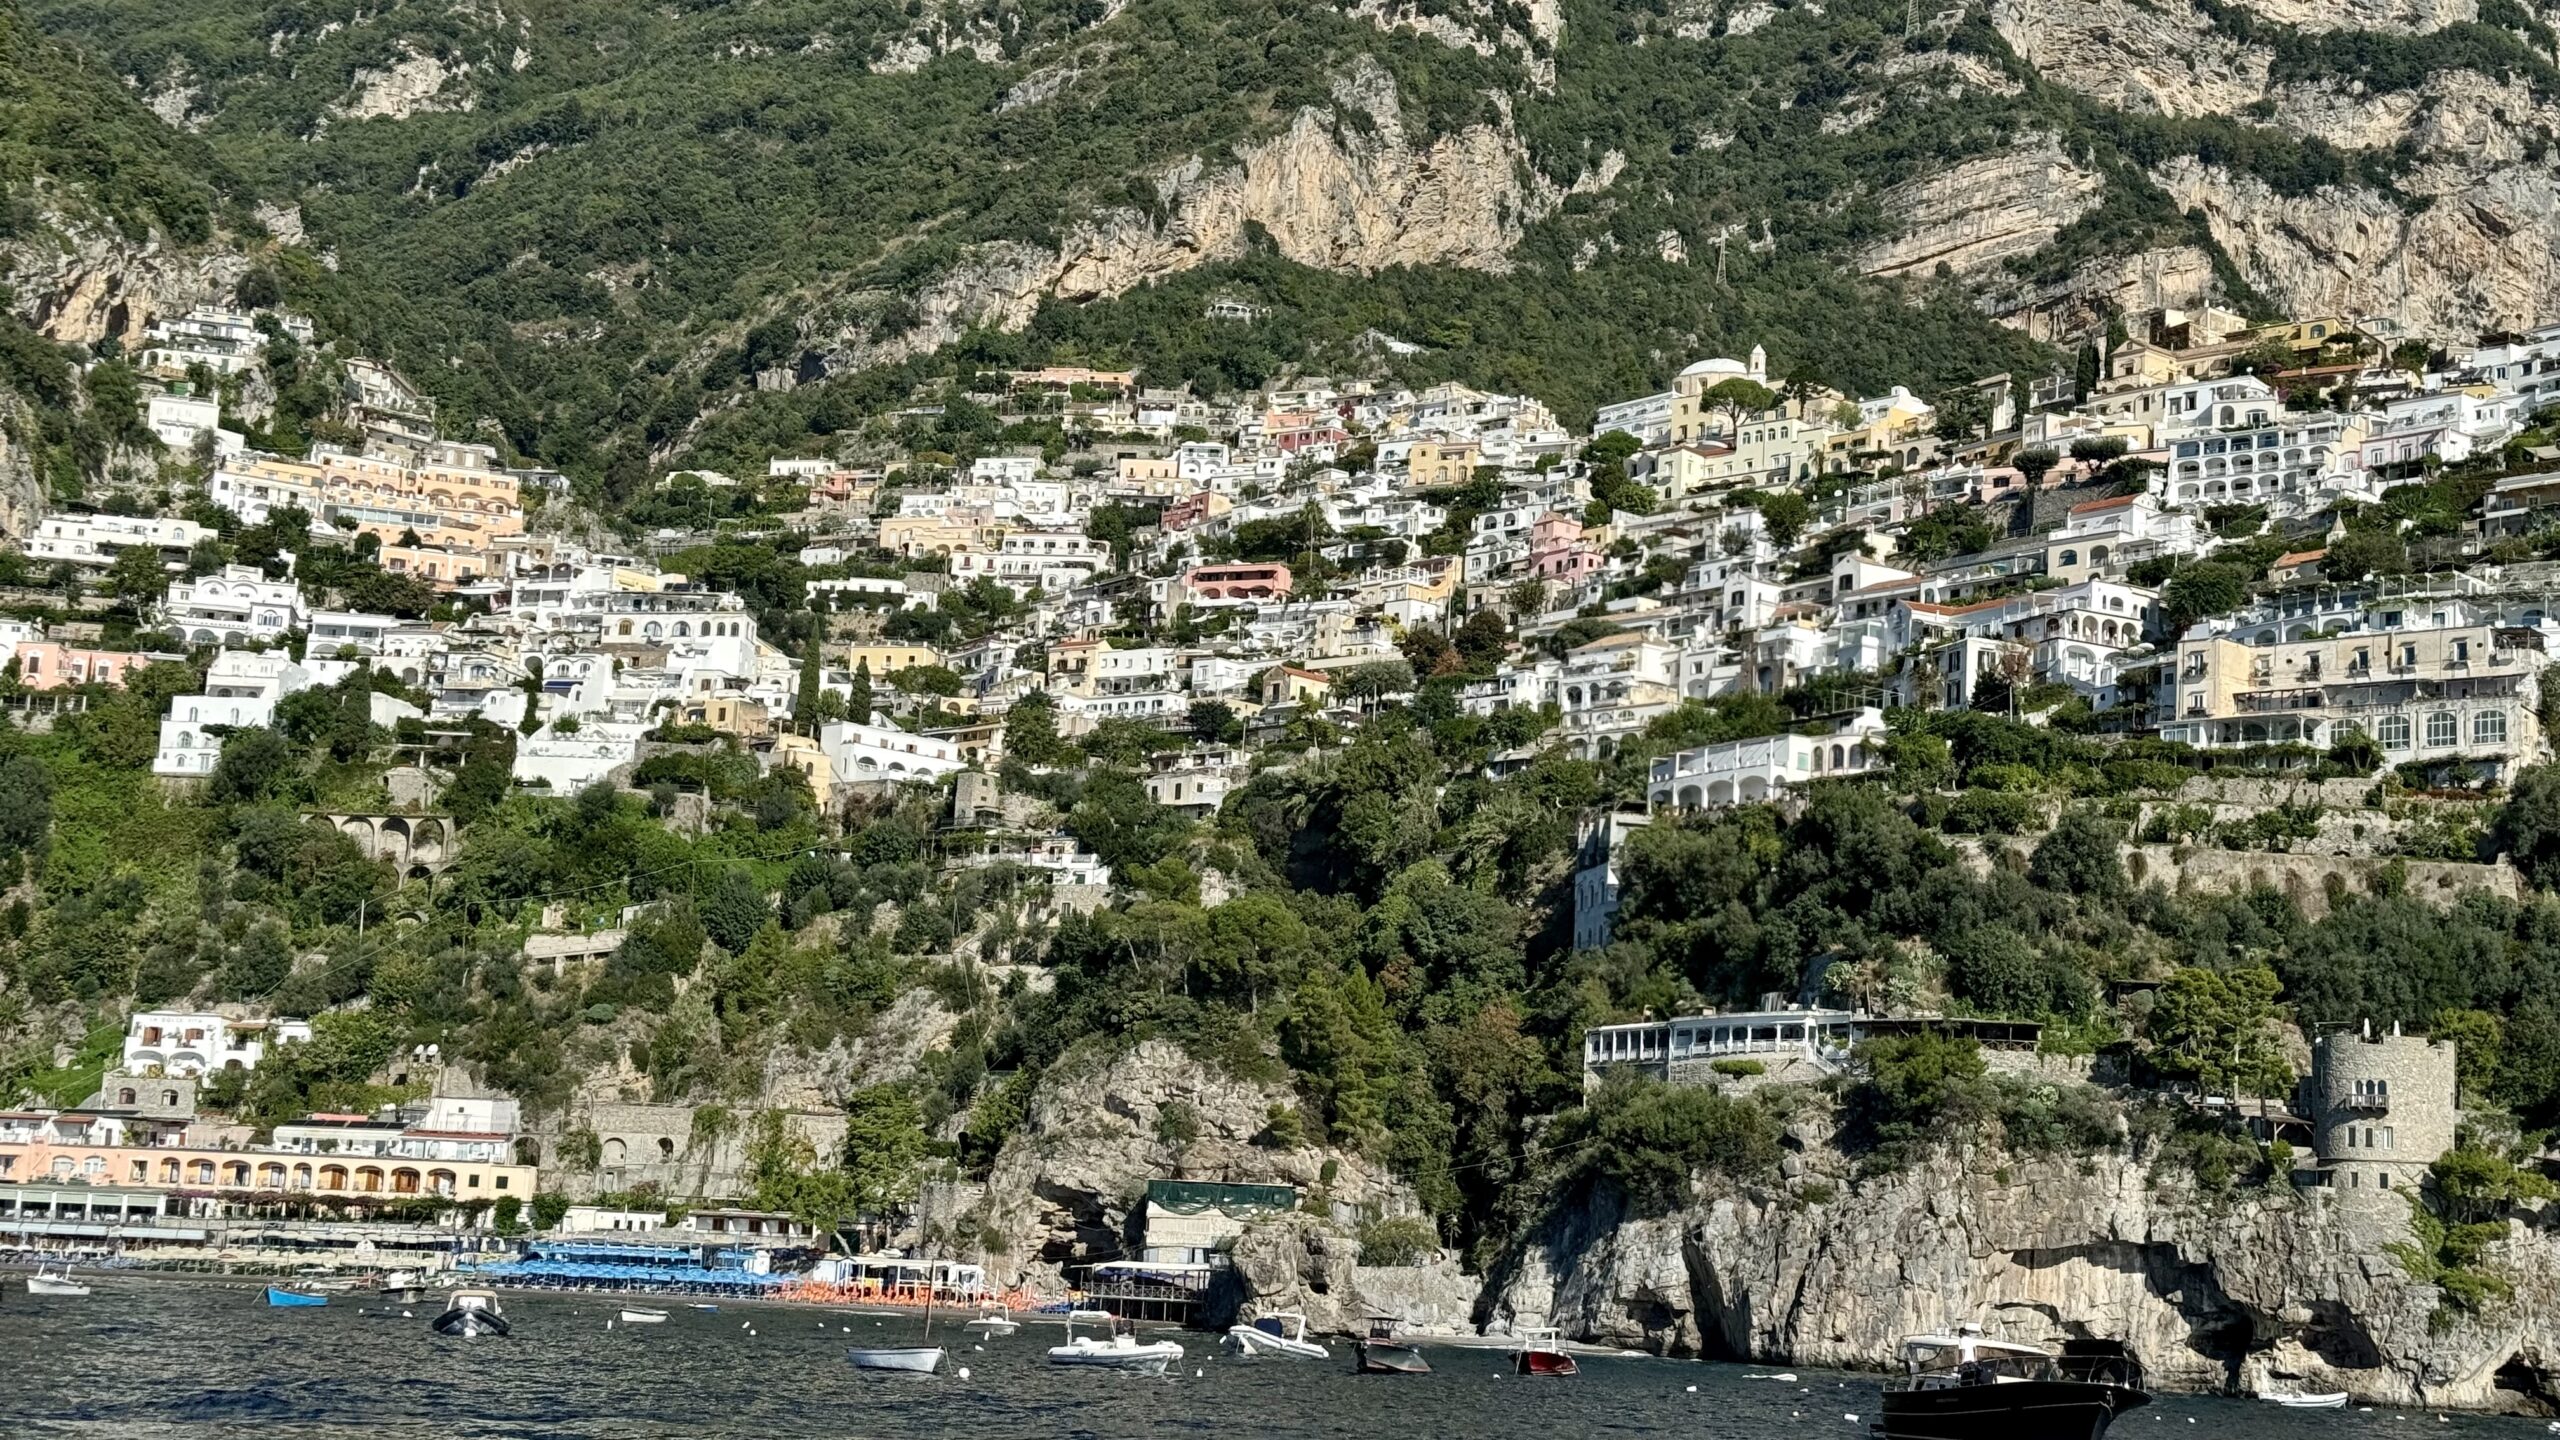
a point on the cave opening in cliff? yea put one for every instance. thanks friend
(2530, 1384)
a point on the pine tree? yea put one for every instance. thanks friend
(806, 707)
(859, 708)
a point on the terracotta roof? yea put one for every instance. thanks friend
(2300, 557)
(2088, 506)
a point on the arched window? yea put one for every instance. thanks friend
(2489, 727)
(2443, 729)
(2068, 557)
(2393, 732)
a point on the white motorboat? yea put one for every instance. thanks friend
(1282, 1333)
(2326, 1400)
(404, 1287)
(644, 1317)
(913, 1359)
(471, 1312)
(1120, 1350)
(54, 1282)
(994, 1320)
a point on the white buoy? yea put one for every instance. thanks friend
(1692, 1390)
(1852, 1419)
(407, 1315)
(977, 1347)
(964, 1372)
(608, 1324)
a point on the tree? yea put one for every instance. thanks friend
(1374, 681)
(2528, 825)
(1609, 452)
(734, 909)
(136, 577)
(2362, 553)
(884, 1140)
(858, 706)
(1031, 732)
(806, 703)
(1214, 722)
(2197, 591)
(256, 763)
(2081, 856)
(1738, 400)
(1786, 514)
(2098, 449)
(1526, 599)
(2035, 462)
(2217, 1029)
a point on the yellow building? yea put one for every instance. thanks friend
(1693, 416)
(1442, 464)
(885, 657)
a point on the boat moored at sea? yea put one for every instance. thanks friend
(55, 1282)
(283, 1299)
(635, 1315)
(1381, 1353)
(1542, 1353)
(995, 1319)
(1120, 1350)
(1282, 1333)
(912, 1359)
(471, 1312)
(1968, 1387)
(2324, 1400)
(403, 1287)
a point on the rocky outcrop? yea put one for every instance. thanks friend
(2164, 60)
(2270, 1287)
(1341, 188)
(2078, 304)
(412, 83)
(1067, 1184)
(2480, 256)
(79, 282)
(1976, 215)
(1304, 1265)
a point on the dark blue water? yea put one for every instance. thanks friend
(154, 1358)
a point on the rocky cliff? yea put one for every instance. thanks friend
(1067, 1184)
(1340, 188)
(2268, 1288)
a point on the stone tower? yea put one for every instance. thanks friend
(2382, 1107)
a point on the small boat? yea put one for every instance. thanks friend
(913, 1359)
(2325, 1400)
(471, 1312)
(994, 1318)
(635, 1316)
(54, 1282)
(1383, 1354)
(1967, 1387)
(1282, 1333)
(1121, 1350)
(693, 1305)
(1542, 1353)
(282, 1298)
(403, 1287)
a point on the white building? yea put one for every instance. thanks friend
(179, 419)
(234, 607)
(83, 539)
(186, 1042)
(876, 752)
(567, 764)
(241, 691)
(1744, 771)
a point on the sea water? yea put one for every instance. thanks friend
(146, 1357)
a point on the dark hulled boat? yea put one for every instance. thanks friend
(471, 1312)
(1965, 1387)
(1381, 1353)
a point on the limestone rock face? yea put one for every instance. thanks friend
(2480, 257)
(1975, 215)
(80, 282)
(2264, 1288)
(1066, 1186)
(1341, 188)
(1302, 1264)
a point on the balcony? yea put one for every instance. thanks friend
(2263, 702)
(2368, 1102)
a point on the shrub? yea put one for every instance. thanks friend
(1404, 1241)
(1649, 1141)
(1738, 1068)
(1988, 812)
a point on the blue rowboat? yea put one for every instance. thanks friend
(277, 1295)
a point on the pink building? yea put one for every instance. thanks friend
(51, 665)
(1557, 551)
(1232, 584)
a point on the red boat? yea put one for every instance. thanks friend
(1542, 1353)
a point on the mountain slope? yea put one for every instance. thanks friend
(594, 223)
